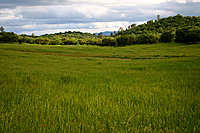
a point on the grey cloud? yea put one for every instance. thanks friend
(51, 12)
(188, 8)
(16, 3)
(146, 12)
(48, 12)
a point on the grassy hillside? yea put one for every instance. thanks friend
(99, 89)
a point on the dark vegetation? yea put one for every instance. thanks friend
(171, 29)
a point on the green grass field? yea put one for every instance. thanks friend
(141, 88)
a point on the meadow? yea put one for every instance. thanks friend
(140, 88)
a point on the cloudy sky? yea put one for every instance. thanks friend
(51, 16)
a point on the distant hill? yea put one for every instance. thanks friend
(71, 34)
(162, 25)
(106, 33)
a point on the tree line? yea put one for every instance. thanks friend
(171, 29)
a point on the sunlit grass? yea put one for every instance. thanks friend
(43, 90)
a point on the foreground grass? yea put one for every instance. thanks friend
(93, 89)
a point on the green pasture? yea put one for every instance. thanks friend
(140, 88)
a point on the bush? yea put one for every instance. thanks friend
(45, 41)
(132, 40)
(8, 37)
(55, 42)
(114, 43)
(193, 35)
(71, 41)
(123, 40)
(98, 41)
(109, 42)
(106, 41)
(147, 38)
(188, 35)
(166, 37)
(181, 35)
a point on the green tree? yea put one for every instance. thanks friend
(45, 41)
(9, 37)
(111, 34)
(181, 34)
(132, 39)
(123, 40)
(147, 38)
(158, 17)
(2, 28)
(32, 35)
(133, 25)
(100, 35)
(55, 42)
(166, 37)
(108, 41)
(193, 35)
(120, 29)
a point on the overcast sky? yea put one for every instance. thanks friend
(51, 16)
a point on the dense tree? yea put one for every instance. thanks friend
(32, 35)
(166, 37)
(147, 38)
(100, 35)
(1, 28)
(45, 41)
(188, 35)
(133, 25)
(108, 41)
(193, 35)
(123, 40)
(158, 17)
(121, 29)
(55, 42)
(163, 25)
(132, 39)
(111, 34)
(181, 34)
(8, 37)
(71, 41)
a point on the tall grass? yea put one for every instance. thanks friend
(44, 89)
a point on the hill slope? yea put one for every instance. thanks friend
(162, 25)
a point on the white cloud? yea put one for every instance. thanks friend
(10, 14)
(93, 27)
(89, 11)
(87, 15)
(119, 2)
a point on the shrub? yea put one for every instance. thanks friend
(193, 35)
(181, 35)
(166, 37)
(71, 41)
(132, 40)
(188, 35)
(108, 41)
(8, 37)
(123, 40)
(55, 42)
(147, 38)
